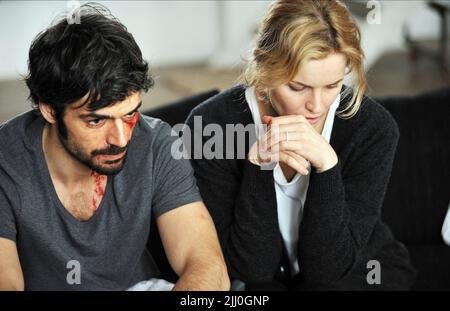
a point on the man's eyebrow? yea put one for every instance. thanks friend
(103, 116)
(135, 109)
(305, 85)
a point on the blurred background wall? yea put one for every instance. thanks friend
(193, 46)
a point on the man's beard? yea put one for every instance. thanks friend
(88, 160)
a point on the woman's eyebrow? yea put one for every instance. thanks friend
(305, 85)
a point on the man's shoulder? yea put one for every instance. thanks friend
(17, 124)
(152, 137)
(16, 150)
(15, 134)
(153, 129)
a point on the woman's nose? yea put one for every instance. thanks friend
(314, 103)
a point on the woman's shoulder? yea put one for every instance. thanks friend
(373, 118)
(229, 106)
(371, 109)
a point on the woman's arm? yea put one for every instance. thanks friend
(247, 229)
(342, 210)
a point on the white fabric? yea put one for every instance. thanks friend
(291, 195)
(152, 285)
(446, 227)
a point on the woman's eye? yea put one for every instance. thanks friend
(296, 88)
(333, 86)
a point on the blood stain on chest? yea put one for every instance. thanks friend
(99, 189)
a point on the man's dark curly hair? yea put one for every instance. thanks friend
(98, 57)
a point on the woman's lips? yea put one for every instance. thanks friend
(312, 120)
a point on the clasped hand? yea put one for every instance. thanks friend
(293, 142)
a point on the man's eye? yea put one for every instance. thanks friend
(95, 122)
(130, 116)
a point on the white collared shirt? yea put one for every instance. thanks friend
(446, 227)
(291, 195)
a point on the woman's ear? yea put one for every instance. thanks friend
(47, 112)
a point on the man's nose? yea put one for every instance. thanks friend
(117, 135)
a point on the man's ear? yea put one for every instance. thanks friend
(47, 112)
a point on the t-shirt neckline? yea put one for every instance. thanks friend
(38, 133)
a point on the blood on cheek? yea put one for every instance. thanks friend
(132, 123)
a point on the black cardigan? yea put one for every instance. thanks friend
(341, 228)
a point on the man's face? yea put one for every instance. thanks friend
(99, 139)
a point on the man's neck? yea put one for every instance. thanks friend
(62, 165)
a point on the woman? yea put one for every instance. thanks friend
(313, 222)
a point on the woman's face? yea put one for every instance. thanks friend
(312, 91)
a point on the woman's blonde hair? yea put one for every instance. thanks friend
(295, 31)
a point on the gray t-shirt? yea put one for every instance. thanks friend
(111, 246)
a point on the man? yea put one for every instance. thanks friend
(83, 172)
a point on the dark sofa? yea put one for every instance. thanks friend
(418, 194)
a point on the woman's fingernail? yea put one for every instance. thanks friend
(267, 119)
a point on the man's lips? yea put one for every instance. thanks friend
(112, 157)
